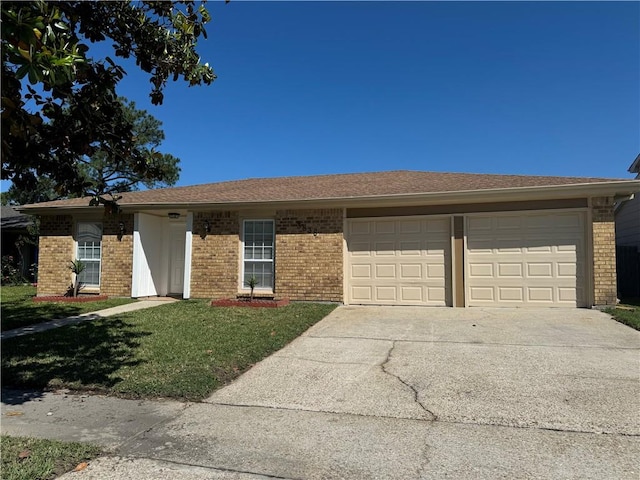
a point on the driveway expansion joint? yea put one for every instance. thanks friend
(413, 389)
(321, 412)
(142, 433)
(315, 360)
(207, 467)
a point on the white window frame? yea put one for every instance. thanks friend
(92, 260)
(258, 288)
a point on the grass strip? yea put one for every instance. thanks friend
(626, 313)
(25, 458)
(17, 309)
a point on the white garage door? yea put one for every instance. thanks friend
(399, 261)
(526, 259)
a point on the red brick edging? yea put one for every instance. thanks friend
(257, 302)
(63, 299)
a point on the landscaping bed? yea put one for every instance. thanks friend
(66, 299)
(246, 302)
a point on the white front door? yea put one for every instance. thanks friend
(176, 258)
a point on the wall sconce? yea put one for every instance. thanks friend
(121, 228)
(174, 215)
(207, 226)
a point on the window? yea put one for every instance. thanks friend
(89, 252)
(258, 253)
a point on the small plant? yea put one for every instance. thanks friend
(252, 283)
(11, 271)
(77, 267)
(33, 272)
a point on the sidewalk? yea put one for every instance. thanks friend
(84, 317)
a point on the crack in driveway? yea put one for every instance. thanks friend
(413, 389)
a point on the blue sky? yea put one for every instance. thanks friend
(542, 88)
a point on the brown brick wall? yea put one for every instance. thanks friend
(117, 256)
(214, 256)
(56, 250)
(309, 257)
(604, 251)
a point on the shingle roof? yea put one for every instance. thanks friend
(11, 218)
(327, 187)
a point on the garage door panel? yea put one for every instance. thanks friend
(510, 270)
(540, 294)
(508, 223)
(382, 227)
(567, 294)
(361, 271)
(538, 249)
(438, 226)
(361, 293)
(540, 270)
(411, 271)
(384, 294)
(481, 270)
(412, 248)
(436, 294)
(567, 270)
(360, 248)
(410, 226)
(409, 261)
(480, 224)
(435, 270)
(359, 228)
(385, 271)
(540, 263)
(384, 248)
(412, 294)
(481, 294)
(510, 294)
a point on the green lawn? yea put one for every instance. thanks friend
(627, 313)
(185, 349)
(18, 309)
(41, 459)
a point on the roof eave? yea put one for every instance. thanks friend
(613, 188)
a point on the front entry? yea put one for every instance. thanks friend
(176, 259)
(159, 245)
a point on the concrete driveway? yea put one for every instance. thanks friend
(398, 392)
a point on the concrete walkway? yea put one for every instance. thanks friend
(385, 393)
(84, 317)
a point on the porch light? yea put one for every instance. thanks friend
(207, 226)
(174, 215)
(121, 227)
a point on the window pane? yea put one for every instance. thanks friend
(258, 252)
(91, 274)
(89, 250)
(262, 271)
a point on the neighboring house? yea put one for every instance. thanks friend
(14, 229)
(391, 238)
(627, 215)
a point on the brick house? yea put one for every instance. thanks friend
(394, 238)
